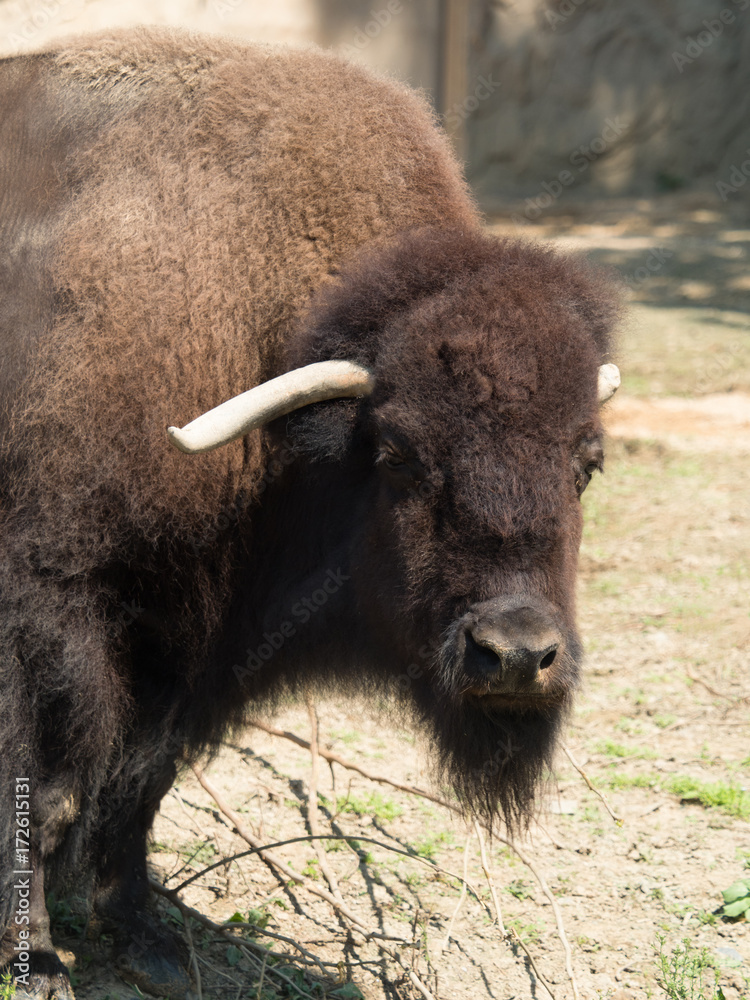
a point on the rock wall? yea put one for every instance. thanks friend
(607, 97)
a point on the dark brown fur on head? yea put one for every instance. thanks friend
(486, 354)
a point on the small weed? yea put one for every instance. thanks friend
(373, 804)
(730, 799)
(662, 721)
(630, 781)
(202, 851)
(520, 889)
(586, 944)
(345, 736)
(629, 726)
(683, 974)
(233, 955)
(7, 987)
(414, 880)
(528, 933)
(257, 917)
(619, 750)
(563, 885)
(312, 868)
(426, 848)
(706, 918)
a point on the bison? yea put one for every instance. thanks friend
(393, 417)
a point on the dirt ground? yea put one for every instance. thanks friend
(661, 727)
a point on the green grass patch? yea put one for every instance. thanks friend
(427, 847)
(530, 933)
(728, 798)
(611, 749)
(346, 736)
(201, 851)
(619, 781)
(662, 721)
(372, 804)
(731, 799)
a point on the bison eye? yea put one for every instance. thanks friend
(403, 471)
(392, 459)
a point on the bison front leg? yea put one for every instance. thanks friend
(26, 949)
(145, 952)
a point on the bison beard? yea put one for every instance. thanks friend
(171, 237)
(493, 758)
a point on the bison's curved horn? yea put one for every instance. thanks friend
(258, 406)
(609, 382)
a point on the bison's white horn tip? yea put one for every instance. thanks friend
(176, 437)
(609, 382)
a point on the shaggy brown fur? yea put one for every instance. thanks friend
(183, 218)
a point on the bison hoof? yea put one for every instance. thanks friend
(156, 974)
(41, 986)
(157, 968)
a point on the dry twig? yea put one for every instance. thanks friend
(312, 803)
(461, 898)
(193, 958)
(734, 699)
(309, 885)
(555, 909)
(334, 758)
(593, 788)
(530, 957)
(286, 870)
(189, 911)
(490, 882)
(458, 811)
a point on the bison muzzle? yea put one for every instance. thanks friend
(268, 260)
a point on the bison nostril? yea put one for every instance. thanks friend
(548, 659)
(483, 659)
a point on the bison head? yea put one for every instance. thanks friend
(475, 369)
